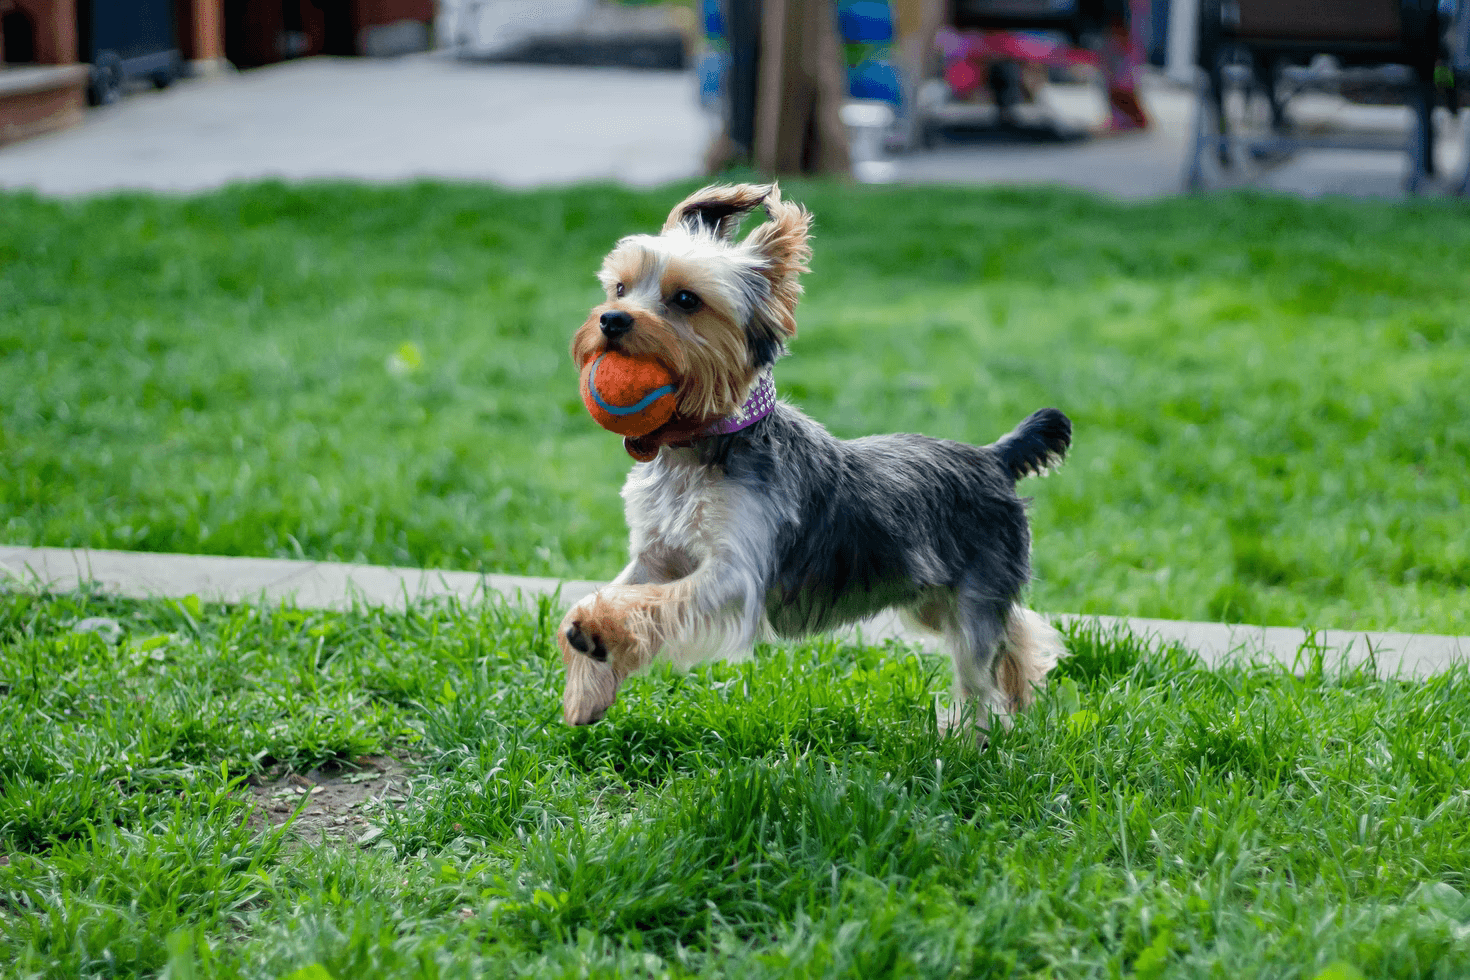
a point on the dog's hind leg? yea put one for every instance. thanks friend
(1002, 653)
(973, 633)
(1030, 648)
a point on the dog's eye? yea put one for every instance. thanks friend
(619, 289)
(686, 301)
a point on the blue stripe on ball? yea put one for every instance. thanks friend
(646, 401)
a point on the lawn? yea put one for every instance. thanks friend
(791, 816)
(1269, 394)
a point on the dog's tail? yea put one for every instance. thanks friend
(1036, 445)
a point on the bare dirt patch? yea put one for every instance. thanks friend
(336, 801)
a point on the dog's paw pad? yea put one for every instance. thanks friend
(582, 643)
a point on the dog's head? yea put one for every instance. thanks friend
(715, 310)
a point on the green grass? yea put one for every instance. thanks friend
(792, 816)
(1269, 394)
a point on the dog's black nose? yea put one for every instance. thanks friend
(615, 323)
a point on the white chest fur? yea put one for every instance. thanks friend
(676, 504)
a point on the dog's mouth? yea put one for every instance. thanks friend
(643, 448)
(678, 431)
(673, 433)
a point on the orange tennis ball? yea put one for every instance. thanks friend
(628, 395)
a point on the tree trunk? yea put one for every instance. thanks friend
(803, 83)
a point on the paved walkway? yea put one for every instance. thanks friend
(1152, 163)
(377, 120)
(335, 585)
(518, 125)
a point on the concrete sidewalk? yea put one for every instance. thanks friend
(1152, 163)
(377, 120)
(430, 116)
(334, 585)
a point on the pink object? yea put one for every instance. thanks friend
(967, 54)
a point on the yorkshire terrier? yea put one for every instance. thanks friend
(747, 519)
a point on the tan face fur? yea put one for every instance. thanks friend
(698, 298)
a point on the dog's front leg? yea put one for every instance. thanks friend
(592, 681)
(622, 627)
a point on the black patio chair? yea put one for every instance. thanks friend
(1272, 47)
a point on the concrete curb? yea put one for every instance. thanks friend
(334, 585)
(308, 584)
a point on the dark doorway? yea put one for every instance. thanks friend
(339, 34)
(20, 38)
(261, 33)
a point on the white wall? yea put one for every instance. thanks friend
(492, 26)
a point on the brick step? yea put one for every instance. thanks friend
(36, 99)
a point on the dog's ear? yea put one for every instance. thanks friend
(782, 245)
(718, 209)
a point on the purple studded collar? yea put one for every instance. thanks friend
(760, 403)
(762, 399)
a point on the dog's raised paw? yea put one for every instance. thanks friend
(590, 645)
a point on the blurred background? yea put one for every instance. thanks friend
(1128, 97)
